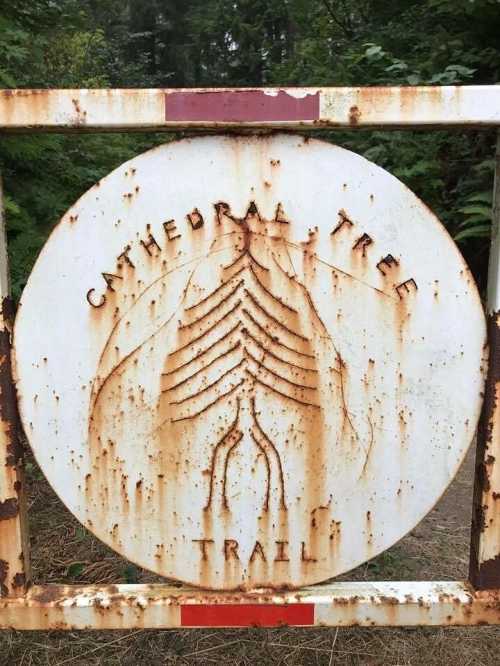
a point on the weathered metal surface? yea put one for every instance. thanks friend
(252, 372)
(311, 108)
(159, 606)
(13, 538)
(485, 543)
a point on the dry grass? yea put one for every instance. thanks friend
(437, 549)
(457, 647)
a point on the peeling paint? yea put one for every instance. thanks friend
(485, 570)
(160, 606)
(8, 407)
(4, 570)
(13, 537)
(240, 106)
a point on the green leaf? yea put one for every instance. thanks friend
(373, 50)
(486, 196)
(75, 569)
(471, 220)
(131, 574)
(466, 72)
(6, 79)
(11, 208)
(485, 165)
(413, 79)
(476, 209)
(396, 67)
(475, 232)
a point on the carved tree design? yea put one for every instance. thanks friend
(244, 337)
(250, 372)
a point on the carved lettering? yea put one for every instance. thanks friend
(279, 215)
(362, 243)
(252, 210)
(406, 287)
(231, 549)
(222, 209)
(91, 301)
(109, 279)
(281, 555)
(258, 551)
(343, 221)
(170, 230)
(195, 219)
(149, 243)
(125, 257)
(386, 263)
(304, 556)
(203, 546)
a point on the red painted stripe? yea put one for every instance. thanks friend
(239, 106)
(246, 615)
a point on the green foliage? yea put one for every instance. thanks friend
(131, 574)
(98, 43)
(477, 216)
(43, 176)
(389, 564)
(75, 570)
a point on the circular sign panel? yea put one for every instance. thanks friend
(249, 361)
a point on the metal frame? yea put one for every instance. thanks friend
(475, 602)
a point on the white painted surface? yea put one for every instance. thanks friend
(395, 372)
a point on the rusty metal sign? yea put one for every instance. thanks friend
(249, 361)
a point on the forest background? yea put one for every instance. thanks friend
(173, 43)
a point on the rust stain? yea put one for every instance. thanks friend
(19, 580)
(81, 114)
(106, 606)
(8, 404)
(387, 264)
(344, 220)
(263, 333)
(410, 97)
(484, 575)
(4, 570)
(354, 115)
(489, 574)
(31, 110)
(362, 243)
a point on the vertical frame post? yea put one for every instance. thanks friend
(14, 544)
(485, 543)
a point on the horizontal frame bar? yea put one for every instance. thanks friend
(239, 108)
(162, 607)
